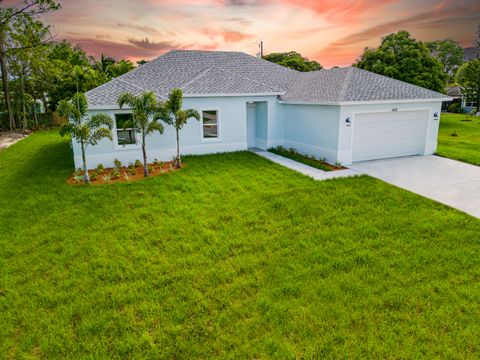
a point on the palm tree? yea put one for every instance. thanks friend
(144, 106)
(86, 130)
(173, 114)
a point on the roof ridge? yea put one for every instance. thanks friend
(245, 77)
(346, 82)
(139, 87)
(199, 74)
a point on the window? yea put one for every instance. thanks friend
(210, 124)
(124, 136)
(471, 102)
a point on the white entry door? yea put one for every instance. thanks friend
(251, 125)
(389, 134)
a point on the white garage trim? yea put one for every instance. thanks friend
(360, 152)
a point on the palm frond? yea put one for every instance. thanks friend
(98, 120)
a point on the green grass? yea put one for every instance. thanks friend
(231, 257)
(464, 147)
(305, 159)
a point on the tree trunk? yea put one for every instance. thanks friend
(178, 160)
(22, 99)
(86, 178)
(6, 91)
(145, 169)
(35, 117)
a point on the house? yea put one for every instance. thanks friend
(343, 114)
(465, 104)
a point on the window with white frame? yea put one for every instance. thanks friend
(470, 102)
(125, 136)
(210, 124)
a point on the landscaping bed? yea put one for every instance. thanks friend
(119, 173)
(318, 163)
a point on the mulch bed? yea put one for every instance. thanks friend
(106, 176)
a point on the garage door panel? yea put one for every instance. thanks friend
(388, 134)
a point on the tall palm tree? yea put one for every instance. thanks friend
(173, 114)
(86, 130)
(144, 107)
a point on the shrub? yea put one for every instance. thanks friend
(454, 134)
(131, 165)
(454, 107)
(132, 171)
(107, 178)
(150, 168)
(100, 169)
(78, 179)
(338, 164)
(126, 176)
(115, 173)
(117, 163)
(138, 163)
(156, 162)
(94, 175)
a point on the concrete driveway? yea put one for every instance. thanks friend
(450, 182)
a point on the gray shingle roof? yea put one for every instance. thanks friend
(231, 73)
(352, 84)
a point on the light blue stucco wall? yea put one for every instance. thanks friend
(311, 129)
(232, 130)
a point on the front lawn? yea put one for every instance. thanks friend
(232, 257)
(466, 145)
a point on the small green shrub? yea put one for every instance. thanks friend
(107, 178)
(117, 163)
(138, 163)
(115, 173)
(94, 175)
(150, 168)
(78, 179)
(454, 134)
(338, 164)
(131, 165)
(454, 107)
(132, 171)
(100, 169)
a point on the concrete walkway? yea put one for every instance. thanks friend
(314, 173)
(450, 182)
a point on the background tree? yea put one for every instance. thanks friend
(401, 57)
(8, 16)
(144, 107)
(449, 53)
(293, 60)
(86, 130)
(468, 76)
(173, 114)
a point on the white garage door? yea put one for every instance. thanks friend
(389, 134)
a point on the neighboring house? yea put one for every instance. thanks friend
(455, 92)
(343, 114)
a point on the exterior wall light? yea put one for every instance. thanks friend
(435, 116)
(348, 121)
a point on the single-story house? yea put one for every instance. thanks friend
(343, 114)
(465, 104)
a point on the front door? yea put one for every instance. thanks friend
(251, 125)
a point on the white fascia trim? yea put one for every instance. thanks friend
(367, 102)
(232, 95)
(107, 107)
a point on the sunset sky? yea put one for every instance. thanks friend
(332, 32)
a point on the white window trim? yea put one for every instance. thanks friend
(219, 127)
(116, 146)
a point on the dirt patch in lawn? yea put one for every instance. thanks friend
(122, 174)
(10, 137)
